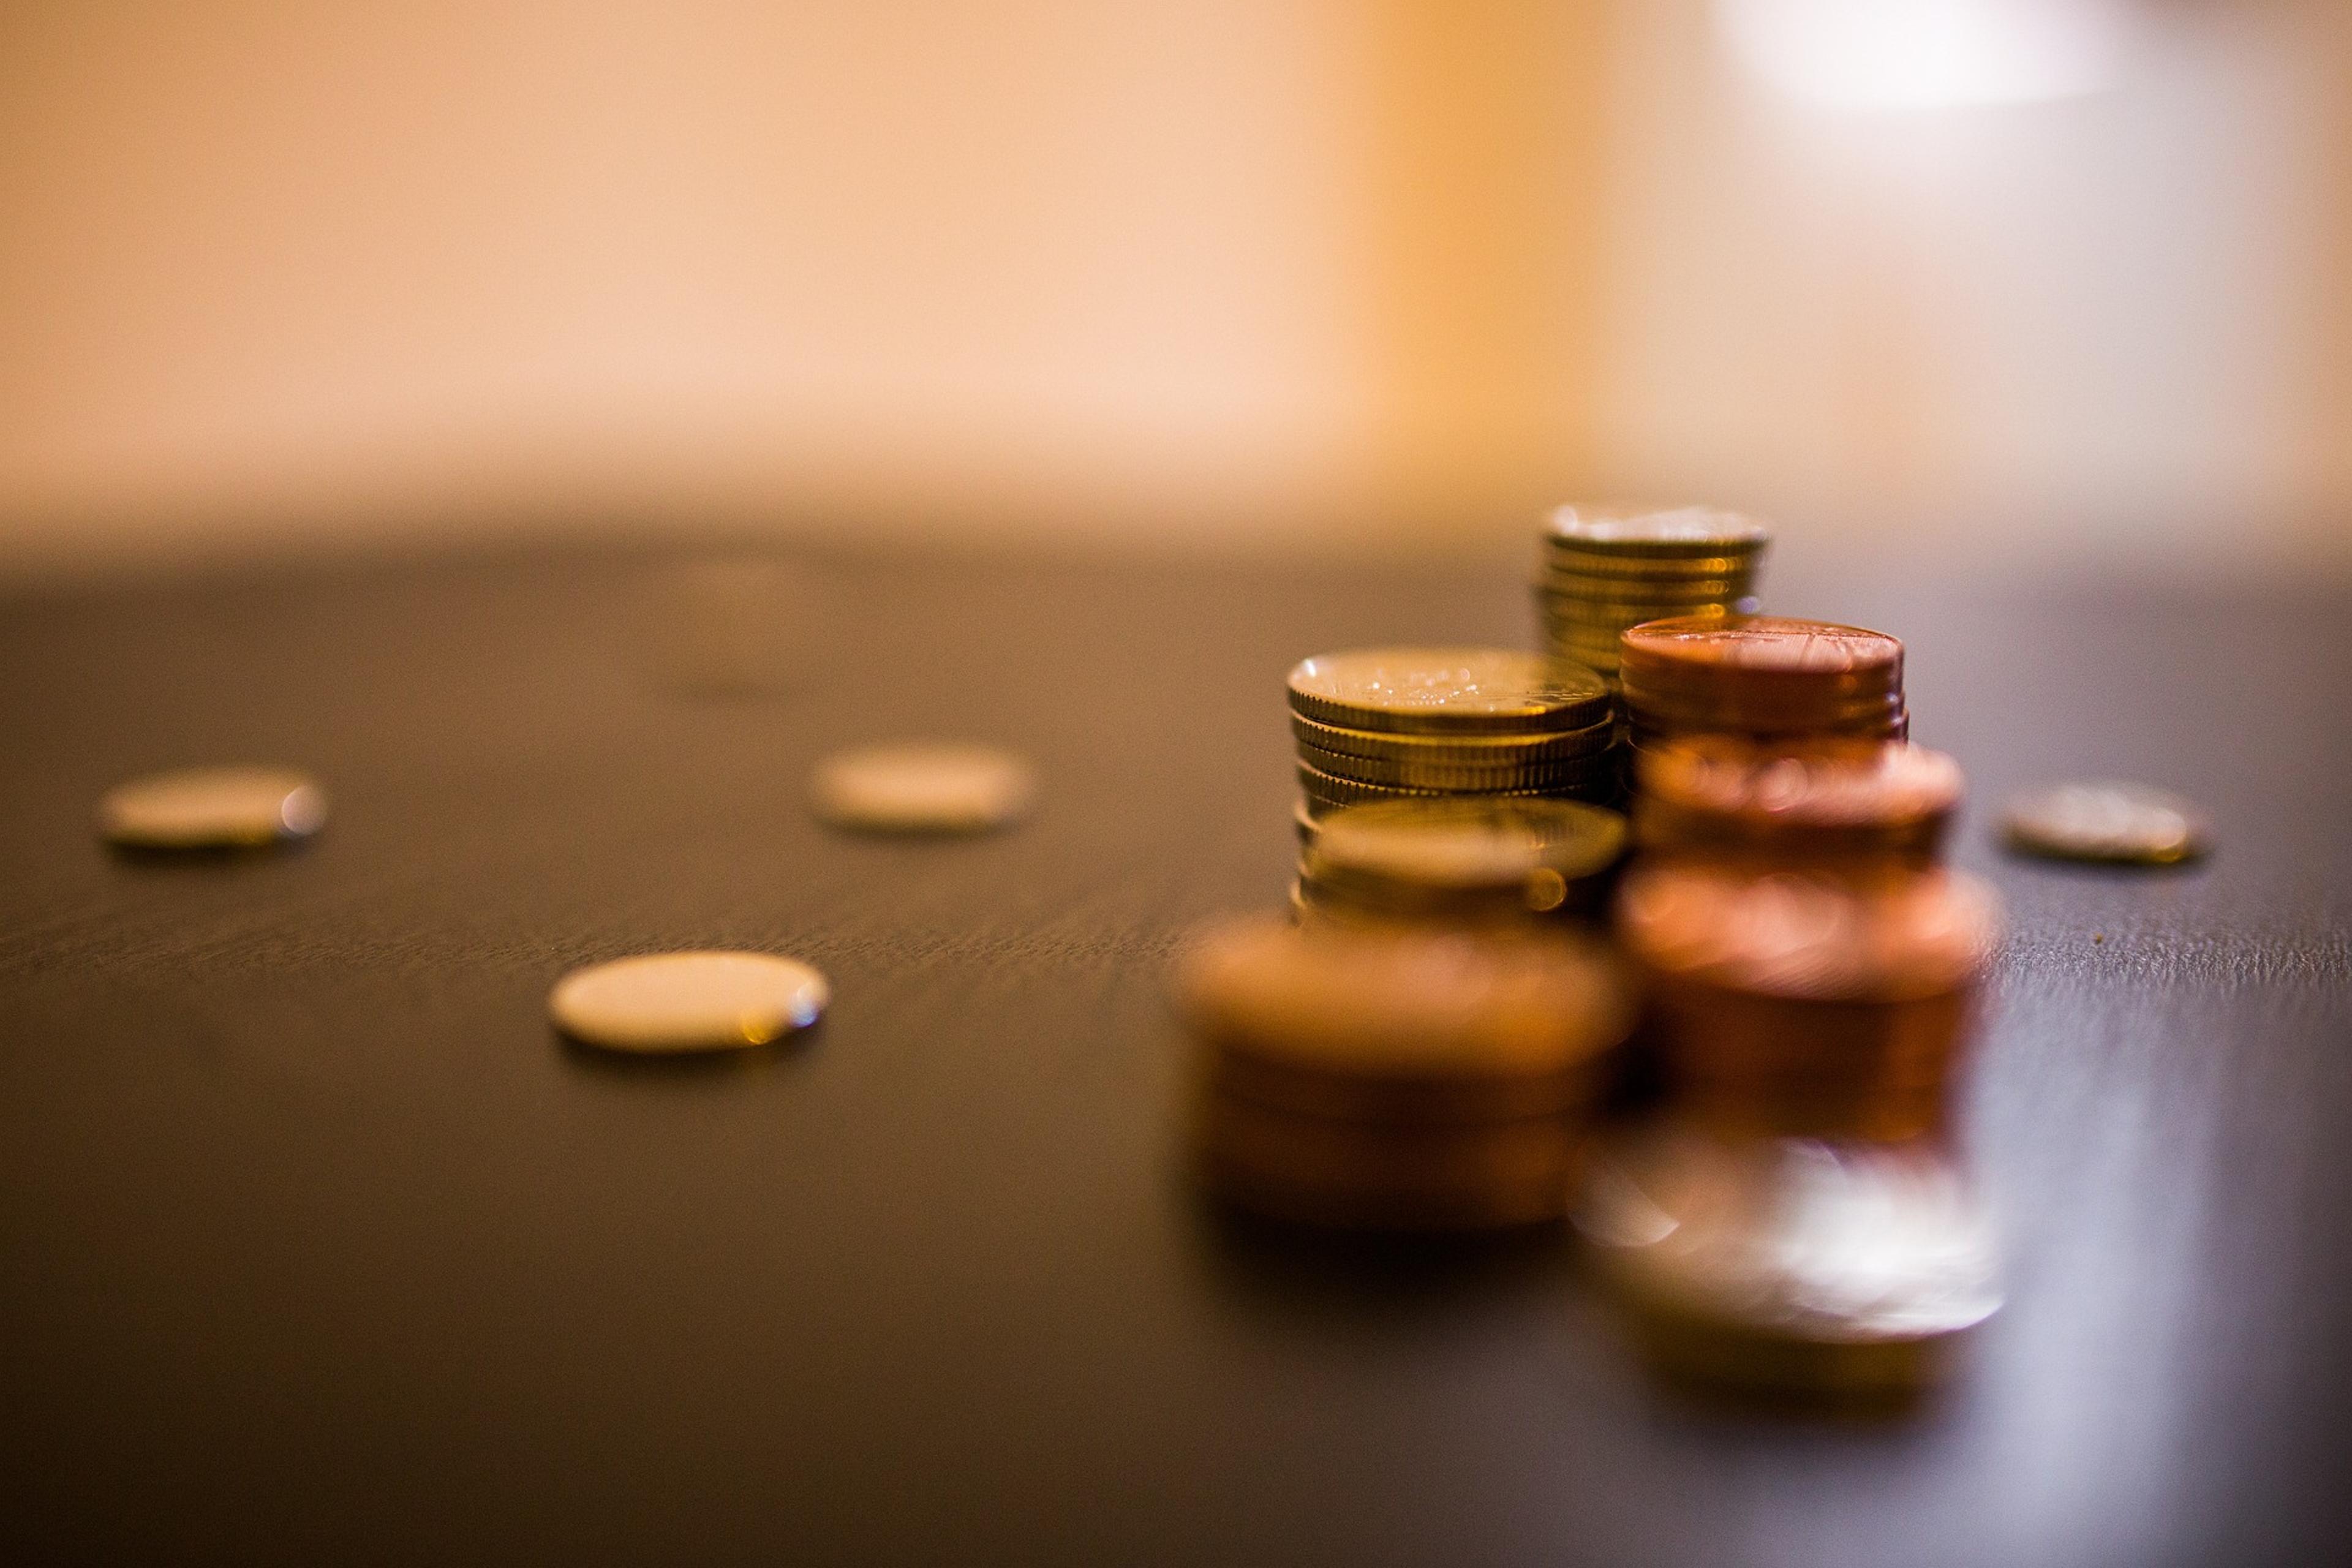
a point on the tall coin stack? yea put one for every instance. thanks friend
(1429, 723)
(1796, 1222)
(1604, 570)
(1767, 677)
(1396, 1078)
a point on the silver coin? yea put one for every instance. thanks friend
(923, 787)
(212, 808)
(1795, 1240)
(695, 1001)
(2119, 824)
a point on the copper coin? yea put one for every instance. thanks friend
(1809, 935)
(1823, 799)
(1759, 672)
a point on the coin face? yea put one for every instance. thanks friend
(700, 1001)
(1443, 689)
(1664, 531)
(923, 787)
(212, 808)
(2118, 824)
(1765, 644)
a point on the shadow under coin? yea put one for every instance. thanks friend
(712, 1067)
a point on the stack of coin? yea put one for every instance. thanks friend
(1763, 677)
(1821, 1003)
(1793, 1269)
(1396, 1077)
(1475, 861)
(1796, 1222)
(1801, 803)
(1605, 569)
(1405, 723)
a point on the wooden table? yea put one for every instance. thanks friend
(316, 1247)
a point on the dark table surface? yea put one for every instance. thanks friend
(316, 1245)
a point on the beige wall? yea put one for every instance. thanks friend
(1226, 270)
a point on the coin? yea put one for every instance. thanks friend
(1663, 531)
(1303, 820)
(1328, 790)
(1467, 860)
(1814, 935)
(1819, 799)
(1407, 1004)
(923, 787)
(1758, 673)
(1473, 751)
(212, 808)
(2117, 824)
(1447, 691)
(1809, 1266)
(1563, 587)
(695, 1001)
(1412, 773)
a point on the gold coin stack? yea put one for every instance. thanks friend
(1604, 570)
(1475, 862)
(1427, 723)
(1396, 1078)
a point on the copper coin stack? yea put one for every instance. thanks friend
(1795, 1222)
(1396, 1078)
(1763, 677)
(1477, 862)
(1432, 723)
(1804, 804)
(1606, 569)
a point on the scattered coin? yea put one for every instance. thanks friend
(923, 787)
(212, 808)
(2117, 824)
(695, 1001)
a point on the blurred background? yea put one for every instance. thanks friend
(2028, 281)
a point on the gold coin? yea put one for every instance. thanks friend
(1567, 773)
(923, 787)
(1656, 532)
(1560, 584)
(1447, 691)
(1468, 751)
(1303, 820)
(1411, 1005)
(212, 808)
(1327, 791)
(698, 1001)
(2117, 823)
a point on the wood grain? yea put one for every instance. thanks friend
(317, 1246)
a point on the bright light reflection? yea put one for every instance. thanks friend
(1927, 54)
